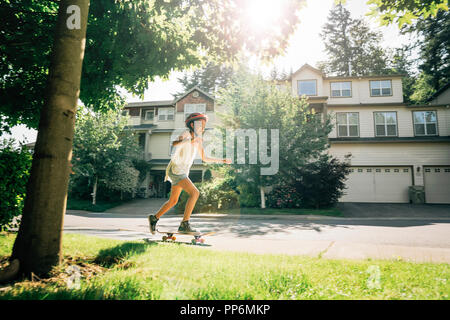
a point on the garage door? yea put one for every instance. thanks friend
(378, 184)
(437, 184)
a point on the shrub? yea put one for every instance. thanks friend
(318, 184)
(322, 182)
(214, 195)
(284, 197)
(249, 195)
(15, 166)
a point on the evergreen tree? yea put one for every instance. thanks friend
(434, 49)
(210, 78)
(351, 46)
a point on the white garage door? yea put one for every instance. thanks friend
(378, 184)
(437, 184)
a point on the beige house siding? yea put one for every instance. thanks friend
(361, 91)
(405, 126)
(443, 98)
(308, 74)
(159, 145)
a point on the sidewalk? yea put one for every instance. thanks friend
(144, 207)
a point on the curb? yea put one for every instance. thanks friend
(305, 217)
(257, 216)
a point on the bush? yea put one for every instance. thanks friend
(319, 184)
(284, 197)
(214, 195)
(15, 166)
(322, 182)
(249, 195)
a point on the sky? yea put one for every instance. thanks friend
(305, 46)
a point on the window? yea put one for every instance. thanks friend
(385, 124)
(149, 115)
(425, 123)
(341, 89)
(348, 124)
(380, 88)
(307, 87)
(191, 108)
(165, 114)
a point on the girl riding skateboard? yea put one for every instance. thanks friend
(177, 171)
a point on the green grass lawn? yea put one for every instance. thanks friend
(114, 269)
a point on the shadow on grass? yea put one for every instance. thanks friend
(112, 256)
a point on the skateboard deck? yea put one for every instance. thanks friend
(198, 236)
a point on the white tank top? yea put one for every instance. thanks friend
(182, 159)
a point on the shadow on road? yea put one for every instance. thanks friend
(247, 227)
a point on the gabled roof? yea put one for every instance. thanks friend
(150, 103)
(437, 93)
(307, 66)
(193, 89)
(167, 102)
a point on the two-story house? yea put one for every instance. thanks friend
(156, 122)
(393, 145)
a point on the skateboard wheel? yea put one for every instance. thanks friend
(202, 240)
(193, 241)
(174, 238)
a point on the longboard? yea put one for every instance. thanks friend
(198, 236)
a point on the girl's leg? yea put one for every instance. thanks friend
(193, 192)
(175, 192)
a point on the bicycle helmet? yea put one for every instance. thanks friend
(194, 117)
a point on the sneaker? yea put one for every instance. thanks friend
(186, 227)
(152, 221)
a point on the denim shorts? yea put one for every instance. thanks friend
(176, 177)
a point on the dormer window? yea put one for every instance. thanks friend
(307, 87)
(380, 88)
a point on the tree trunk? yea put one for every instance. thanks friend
(94, 192)
(263, 197)
(38, 243)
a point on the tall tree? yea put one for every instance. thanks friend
(351, 46)
(434, 48)
(105, 152)
(130, 43)
(210, 78)
(38, 243)
(401, 62)
(254, 104)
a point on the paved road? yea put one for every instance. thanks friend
(414, 239)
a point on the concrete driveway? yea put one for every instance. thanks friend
(424, 237)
